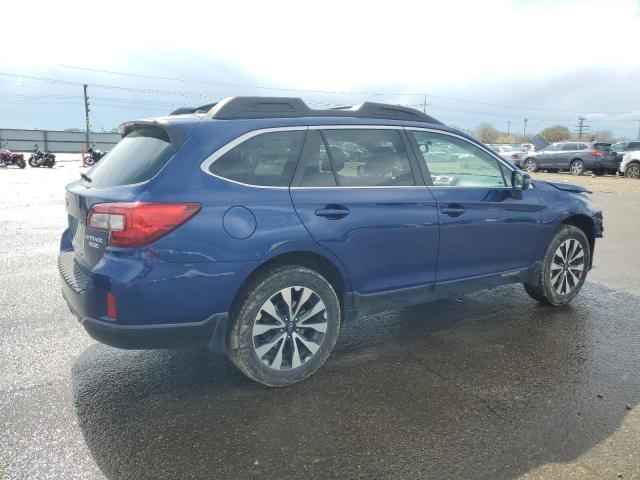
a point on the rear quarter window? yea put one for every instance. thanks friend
(268, 159)
(135, 159)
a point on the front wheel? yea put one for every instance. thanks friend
(564, 268)
(529, 165)
(32, 162)
(577, 167)
(21, 163)
(633, 171)
(284, 325)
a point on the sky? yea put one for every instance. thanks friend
(491, 61)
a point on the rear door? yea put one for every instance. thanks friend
(358, 195)
(484, 228)
(118, 177)
(563, 158)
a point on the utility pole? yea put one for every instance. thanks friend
(581, 127)
(524, 132)
(86, 112)
(424, 105)
(638, 128)
(508, 126)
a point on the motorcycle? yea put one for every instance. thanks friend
(7, 157)
(42, 159)
(93, 156)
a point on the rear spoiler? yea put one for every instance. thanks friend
(177, 130)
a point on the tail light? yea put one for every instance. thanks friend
(595, 153)
(137, 224)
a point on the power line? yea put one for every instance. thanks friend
(328, 92)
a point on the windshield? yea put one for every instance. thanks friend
(618, 147)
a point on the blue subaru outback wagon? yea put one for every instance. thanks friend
(256, 226)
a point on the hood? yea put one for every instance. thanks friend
(568, 187)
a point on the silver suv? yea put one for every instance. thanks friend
(577, 157)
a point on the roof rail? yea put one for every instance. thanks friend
(286, 107)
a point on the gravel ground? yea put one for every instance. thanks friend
(489, 386)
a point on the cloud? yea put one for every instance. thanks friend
(572, 55)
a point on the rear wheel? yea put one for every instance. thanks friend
(529, 165)
(21, 163)
(284, 326)
(564, 268)
(577, 167)
(633, 170)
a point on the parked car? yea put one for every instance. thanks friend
(630, 165)
(509, 153)
(577, 157)
(528, 147)
(257, 226)
(623, 147)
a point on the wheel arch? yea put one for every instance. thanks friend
(631, 162)
(586, 224)
(313, 260)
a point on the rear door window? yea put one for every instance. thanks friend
(569, 146)
(368, 157)
(315, 163)
(135, 159)
(268, 159)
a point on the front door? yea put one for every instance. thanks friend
(358, 196)
(485, 228)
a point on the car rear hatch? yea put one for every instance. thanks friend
(120, 176)
(608, 155)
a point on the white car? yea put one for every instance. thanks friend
(630, 165)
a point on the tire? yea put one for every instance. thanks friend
(550, 288)
(529, 165)
(633, 171)
(88, 161)
(576, 167)
(21, 163)
(269, 348)
(32, 162)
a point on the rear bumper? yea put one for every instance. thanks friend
(210, 333)
(85, 295)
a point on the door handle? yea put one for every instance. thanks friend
(453, 210)
(333, 212)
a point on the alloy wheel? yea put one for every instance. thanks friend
(530, 166)
(577, 167)
(289, 328)
(633, 171)
(567, 266)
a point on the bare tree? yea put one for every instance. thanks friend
(603, 136)
(486, 133)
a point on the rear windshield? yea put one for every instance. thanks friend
(136, 158)
(605, 147)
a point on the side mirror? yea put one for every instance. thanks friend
(520, 180)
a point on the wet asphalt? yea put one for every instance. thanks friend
(491, 385)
